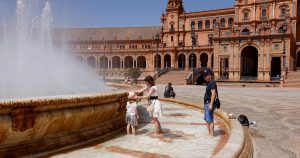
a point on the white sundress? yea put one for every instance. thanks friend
(157, 108)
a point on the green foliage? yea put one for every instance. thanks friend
(134, 73)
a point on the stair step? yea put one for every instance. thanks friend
(175, 77)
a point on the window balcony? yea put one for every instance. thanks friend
(264, 19)
(172, 30)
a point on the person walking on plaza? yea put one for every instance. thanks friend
(209, 100)
(154, 108)
(131, 114)
(169, 91)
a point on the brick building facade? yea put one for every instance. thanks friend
(253, 40)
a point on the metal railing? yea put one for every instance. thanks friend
(189, 78)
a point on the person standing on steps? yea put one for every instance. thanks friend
(154, 108)
(209, 99)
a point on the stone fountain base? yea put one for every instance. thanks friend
(37, 125)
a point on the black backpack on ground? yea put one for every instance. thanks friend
(244, 120)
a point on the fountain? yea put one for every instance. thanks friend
(31, 65)
(48, 99)
(51, 103)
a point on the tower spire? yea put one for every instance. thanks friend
(175, 5)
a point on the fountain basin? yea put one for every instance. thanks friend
(30, 126)
(43, 126)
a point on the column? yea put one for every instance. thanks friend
(198, 61)
(209, 60)
(173, 60)
(186, 62)
(133, 63)
(231, 63)
(122, 64)
(162, 62)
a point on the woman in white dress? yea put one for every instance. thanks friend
(154, 108)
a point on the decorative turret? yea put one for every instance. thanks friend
(175, 5)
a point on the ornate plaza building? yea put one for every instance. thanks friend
(254, 40)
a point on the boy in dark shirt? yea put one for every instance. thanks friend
(169, 91)
(209, 98)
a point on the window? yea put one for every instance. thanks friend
(193, 25)
(172, 28)
(283, 12)
(200, 25)
(181, 24)
(246, 15)
(230, 22)
(172, 39)
(180, 44)
(264, 13)
(210, 39)
(223, 22)
(207, 24)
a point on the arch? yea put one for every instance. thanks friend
(207, 24)
(181, 61)
(203, 60)
(128, 62)
(245, 31)
(167, 60)
(104, 62)
(141, 62)
(230, 22)
(91, 61)
(200, 25)
(223, 22)
(193, 25)
(249, 62)
(298, 59)
(192, 60)
(157, 61)
(246, 45)
(116, 62)
(79, 59)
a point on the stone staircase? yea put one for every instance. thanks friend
(175, 77)
(293, 79)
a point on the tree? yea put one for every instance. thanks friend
(134, 73)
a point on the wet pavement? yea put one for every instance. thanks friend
(185, 135)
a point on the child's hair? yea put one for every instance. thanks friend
(150, 80)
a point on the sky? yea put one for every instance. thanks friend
(113, 13)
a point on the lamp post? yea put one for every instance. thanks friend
(157, 38)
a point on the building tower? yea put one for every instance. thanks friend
(172, 26)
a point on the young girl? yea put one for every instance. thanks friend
(132, 114)
(154, 108)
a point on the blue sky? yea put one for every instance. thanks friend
(115, 13)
